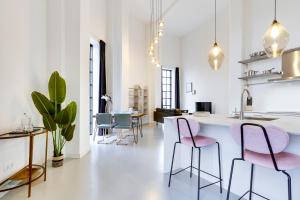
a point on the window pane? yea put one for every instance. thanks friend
(166, 81)
(169, 95)
(164, 88)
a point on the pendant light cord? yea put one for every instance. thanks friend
(275, 17)
(215, 21)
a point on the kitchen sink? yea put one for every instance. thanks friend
(256, 118)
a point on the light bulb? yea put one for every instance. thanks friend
(275, 39)
(160, 33)
(158, 65)
(161, 24)
(153, 60)
(150, 53)
(156, 40)
(151, 47)
(215, 57)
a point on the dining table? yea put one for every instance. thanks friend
(138, 118)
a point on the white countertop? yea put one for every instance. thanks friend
(290, 124)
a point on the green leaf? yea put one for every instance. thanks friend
(72, 110)
(42, 103)
(62, 118)
(49, 122)
(58, 107)
(68, 132)
(57, 88)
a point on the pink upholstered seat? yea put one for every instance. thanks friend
(284, 160)
(256, 148)
(200, 141)
(185, 134)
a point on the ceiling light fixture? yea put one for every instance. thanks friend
(156, 30)
(276, 37)
(216, 55)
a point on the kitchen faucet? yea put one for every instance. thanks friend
(242, 102)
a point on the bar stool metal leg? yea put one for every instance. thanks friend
(199, 161)
(289, 185)
(220, 171)
(172, 164)
(251, 182)
(191, 172)
(230, 179)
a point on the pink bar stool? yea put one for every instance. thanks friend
(263, 146)
(188, 134)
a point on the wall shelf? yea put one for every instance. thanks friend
(254, 59)
(261, 76)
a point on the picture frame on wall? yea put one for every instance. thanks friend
(188, 87)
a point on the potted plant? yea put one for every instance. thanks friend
(59, 121)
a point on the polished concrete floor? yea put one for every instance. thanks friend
(111, 172)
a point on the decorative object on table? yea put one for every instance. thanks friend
(188, 87)
(57, 120)
(108, 105)
(26, 124)
(276, 38)
(216, 55)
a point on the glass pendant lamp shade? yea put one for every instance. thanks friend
(275, 40)
(215, 57)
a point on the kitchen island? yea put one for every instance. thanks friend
(267, 182)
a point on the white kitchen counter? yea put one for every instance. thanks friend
(266, 181)
(290, 124)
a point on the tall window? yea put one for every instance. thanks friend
(91, 88)
(166, 88)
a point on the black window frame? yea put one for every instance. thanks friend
(166, 100)
(91, 72)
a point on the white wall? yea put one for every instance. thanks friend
(23, 70)
(170, 57)
(98, 19)
(280, 96)
(240, 29)
(42, 36)
(137, 48)
(209, 85)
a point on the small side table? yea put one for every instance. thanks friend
(31, 172)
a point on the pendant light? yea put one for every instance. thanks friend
(216, 55)
(156, 30)
(276, 38)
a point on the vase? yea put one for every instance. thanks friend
(58, 161)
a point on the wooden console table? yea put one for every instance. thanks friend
(31, 172)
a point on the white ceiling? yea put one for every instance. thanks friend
(182, 16)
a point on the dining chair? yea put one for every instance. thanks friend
(103, 122)
(124, 121)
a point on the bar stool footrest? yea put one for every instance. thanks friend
(219, 179)
(253, 193)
